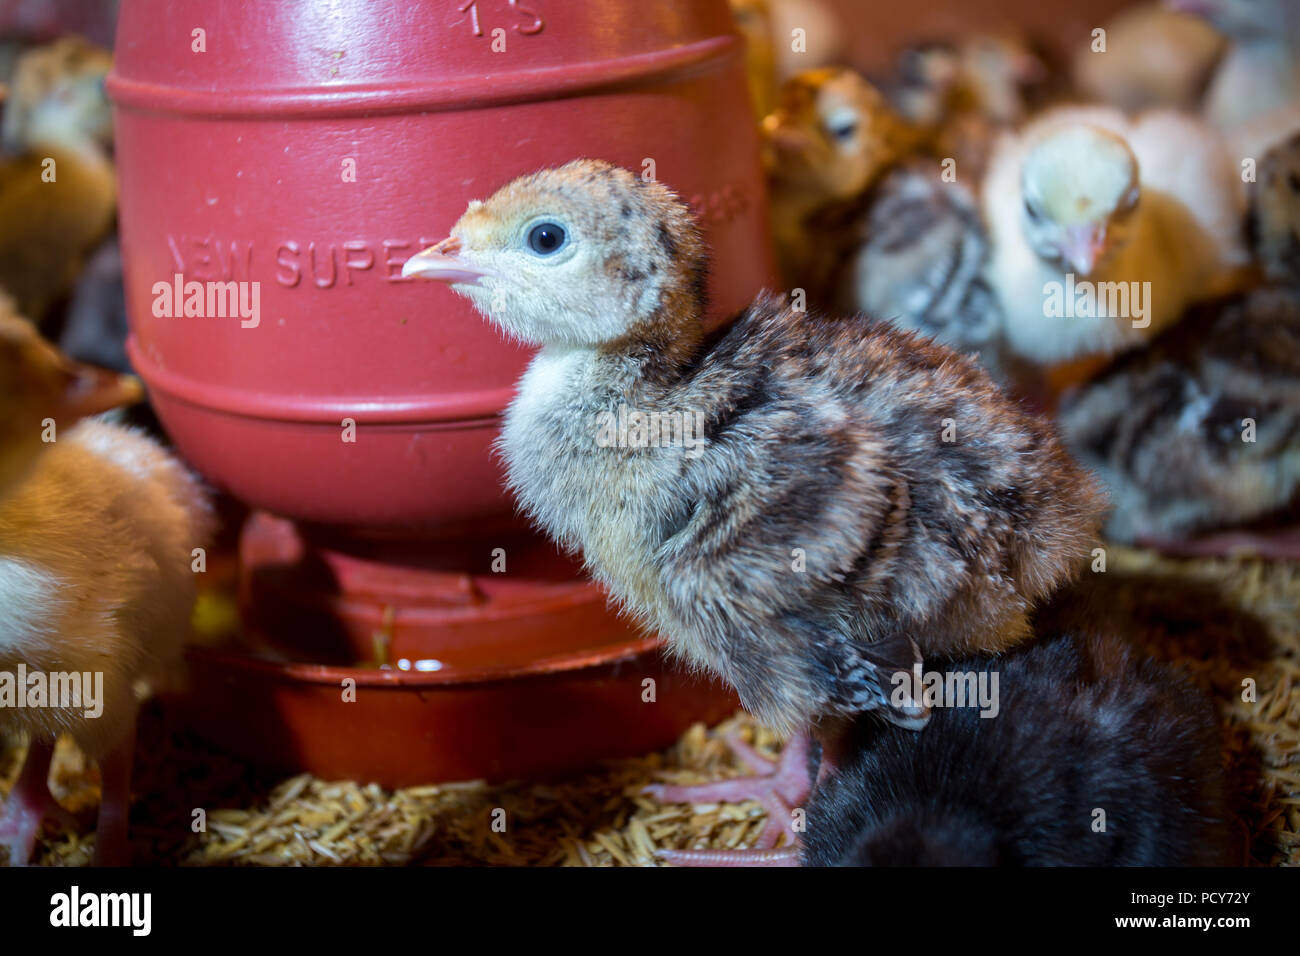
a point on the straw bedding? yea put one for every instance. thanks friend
(1221, 620)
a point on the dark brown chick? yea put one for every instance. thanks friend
(818, 503)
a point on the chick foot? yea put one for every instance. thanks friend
(29, 804)
(779, 786)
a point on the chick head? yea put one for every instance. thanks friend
(40, 386)
(1080, 187)
(831, 135)
(580, 255)
(57, 96)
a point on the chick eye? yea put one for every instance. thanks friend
(842, 124)
(545, 238)
(1032, 211)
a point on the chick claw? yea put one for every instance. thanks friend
(29, 804)
(779, 786)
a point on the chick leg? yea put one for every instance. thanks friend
(779, 787)
(29, 803)
(112, 847)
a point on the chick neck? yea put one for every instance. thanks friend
(655, 354)
(791, 210)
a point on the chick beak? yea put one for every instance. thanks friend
(442, 263)
(782, 140)
(90, 391)
(1082, 247)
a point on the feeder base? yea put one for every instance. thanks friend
(404, 663)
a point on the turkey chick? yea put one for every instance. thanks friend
(97, 529)
(830, 138)
(920, 260)
(1086, 732)
(58, 191)
(1200, 433)
(1273, 223)
(784, 506)
(1105, 229)
(1154, 58)
(1254, 94)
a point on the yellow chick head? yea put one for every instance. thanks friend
(1080, 188)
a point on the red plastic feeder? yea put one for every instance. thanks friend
(304, 150)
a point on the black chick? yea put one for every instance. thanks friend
(1084, 727)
